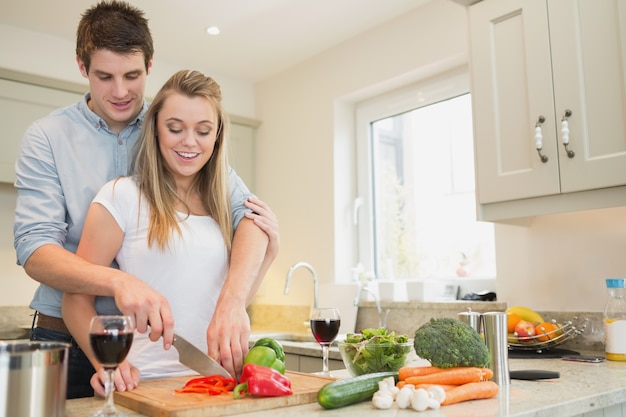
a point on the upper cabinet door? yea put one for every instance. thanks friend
(550, 70)
(588, 42)
(242, 153)
(511, 90)
(21, 104)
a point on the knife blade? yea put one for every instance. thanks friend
(533, 374)
(194, 358)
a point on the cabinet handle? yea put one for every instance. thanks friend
(565, 133)
(539, 139)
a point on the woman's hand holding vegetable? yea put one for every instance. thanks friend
(228, 334)
(229, 329)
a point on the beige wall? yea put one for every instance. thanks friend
(306, 172)
(559, 262)
(306, 169)
(49, 56)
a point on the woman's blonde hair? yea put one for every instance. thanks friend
(157, 184)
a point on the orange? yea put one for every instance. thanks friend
(546, 331)
(512, 319)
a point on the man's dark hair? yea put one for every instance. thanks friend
(115, 26)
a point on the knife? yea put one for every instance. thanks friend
(194, 358)
(533, 374)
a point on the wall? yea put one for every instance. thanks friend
(306, 169)
(559, 262)
(35, 53)
(306, 172)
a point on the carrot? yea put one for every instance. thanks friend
(453, 376)
(400, 384)
(446, 387)
(471, 391)
(408, 371)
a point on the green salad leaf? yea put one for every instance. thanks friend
(376, 350)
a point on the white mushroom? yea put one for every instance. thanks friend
(419, 400)
(383, 387)
(434, 404)
(382, 400)
(403, 399)
(437, 393)
(391, 386)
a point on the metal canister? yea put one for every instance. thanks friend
(33, 378)
(472, 318)
(495, 327)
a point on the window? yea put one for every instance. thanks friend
(416, 170)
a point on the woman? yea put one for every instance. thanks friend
(169, 224)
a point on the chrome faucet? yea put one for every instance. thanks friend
(315, 283)
(364, 288)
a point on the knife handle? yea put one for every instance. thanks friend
(533, 374)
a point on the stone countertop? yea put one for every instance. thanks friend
(582, 388)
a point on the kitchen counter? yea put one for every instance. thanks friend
(582, 388)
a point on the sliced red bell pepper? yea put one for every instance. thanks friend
(262, 381)
(212, 385)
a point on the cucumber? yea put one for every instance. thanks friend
(348, 391)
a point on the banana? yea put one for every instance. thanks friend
(526, 313)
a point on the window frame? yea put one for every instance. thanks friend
(425, 92)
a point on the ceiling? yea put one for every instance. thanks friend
(259, 38)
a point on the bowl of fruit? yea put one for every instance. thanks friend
(374, 350)
(528, 330)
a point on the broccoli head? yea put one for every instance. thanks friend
(448, 343)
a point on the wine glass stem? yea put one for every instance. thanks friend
(109, 380)
(325, 349)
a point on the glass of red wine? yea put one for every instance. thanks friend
(325, 327)
(110, 338)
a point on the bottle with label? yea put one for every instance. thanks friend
(615, 320)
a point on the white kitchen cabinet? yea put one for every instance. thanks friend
(292, 362)
(242, 149)
(531, 62)
(617, 410)
(22, 103)
(310, 364)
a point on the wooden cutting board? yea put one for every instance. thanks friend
(158, 399)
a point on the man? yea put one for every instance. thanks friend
(63, 161)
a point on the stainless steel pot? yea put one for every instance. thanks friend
(33, 378)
